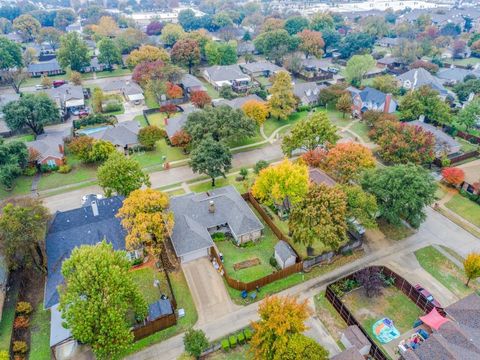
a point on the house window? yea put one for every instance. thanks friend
(51, 163)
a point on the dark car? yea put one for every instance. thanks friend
(427, 295)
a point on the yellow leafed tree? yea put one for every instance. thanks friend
(107, 26)
(256, 110)
(285, 180)
(282, 102)
(471, 266)
(146, 218)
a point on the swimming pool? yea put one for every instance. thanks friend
(91, 130)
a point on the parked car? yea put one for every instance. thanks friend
(427, 295)
(57, 83)
(83, 113)
(40, 87)
(91, 197)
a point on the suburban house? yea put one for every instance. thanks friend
(415, 78)
(68, 97)
(237, 103)
(245, 47)
(318, 177)
(191, 83)
(471, 183)
(454, 337)
(356, 344)
(452, 76)
(230, 75)
(284, 254)
(392, 64)
(371, 99)
(198, 216)
(176, 123)
(316, 69)
(307, 92)
(50, 147)
(130, 90)
(261, 68)
(123, 135)
(388, 42)
(49, 68)
(444, 143)
(95, 66)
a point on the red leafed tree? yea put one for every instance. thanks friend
(154, 28)
(314, 158)
(453, 175)
(186, 52)
(33, 155)
(430, 67)
(181, 139)
(174, 91)
(168, 109)
(200, 99)
(154, 71)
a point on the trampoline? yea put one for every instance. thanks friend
(385, 331)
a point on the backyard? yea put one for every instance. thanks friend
(8, 314)
(329, 317)
(445, 271)
(465, 208)
(258, 252)
(40, 334)
(145, 277)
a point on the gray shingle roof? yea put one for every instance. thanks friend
(456, 74)
(308, 92)
(192, 218)
(189, 81)
(372, 95)
(237, 103)
(261, 66)
(78, 227)
(442, 140)
(122, 134)
(128, 87)
(284, 250)
(176, 123)
(44, 66)
(48, 144)
(419, 77)
(66, 92)
(225, 72)
(348, 354)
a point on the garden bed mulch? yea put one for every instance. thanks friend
(246, 264)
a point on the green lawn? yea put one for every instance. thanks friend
(273, 124)
(394, 232)
(141, 119)
(239, 353)
(338, 119)
(247, 141)
(219, 182)
(8, 315)
(40, 334)
(158, 119)
(465, 208)
(22, 138)
(176, 192)
(23, 185)
(80, 172)
(263, 80)
(32, 81)
(392, 304)
(155, 157)
(210, 89)
(263, 249)
(465, 62)
(116, 72)
(184, 301)
(445, 271)
(151, 101)
(144, 279)
(361, 129)
(466, 146)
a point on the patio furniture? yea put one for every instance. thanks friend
(244, 294)
(253, 295)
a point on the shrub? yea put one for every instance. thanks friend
(232, 339)
(304, 108)
(243, 172)
(23, 307)
(20, 347)
(4, 355)
(225, 344)
(45, 168)
(248, 334)
(21, 322)
(241, 338)
(65, 169)
(112, 107)
(137, 261)
(149, 135)
(218, 236)
(453, 176)
(30, 171)
(226, 92)
(94, 119)
(273, 261)
(260, 165)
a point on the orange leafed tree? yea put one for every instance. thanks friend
(453, 176)
(174, 91)
(315, 157)
(200, 99)
(256, 110)
(146, 218)
(280, 318)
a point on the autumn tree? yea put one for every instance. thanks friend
(346, 161)
(374, 119)
(371, 280)
(357, 67)
(75, 78)
(427, 102)
(90, 150)
(402, 192)
(331, 94)
(155, 75)
(212, 158)
(147, 53)
(23, 227)
(121, 175)
(186, 53)
(171, 33)
(146, 218)
(101, 275)
(27, 26)
(130, 39)
(106, 27)
(73, 52)
(471, 266)
(311, 43)
(149, 135)
(169, 109)
(46, 82)
(453, 175)
(320, 217)
(173, 91)
(385, 83)
(282, 101)
(154, 28)
(314, 131)
(181, 139)
(200, 99)
(51, 36)
(301, 347)
(344, 104)
(256, 110)
(278, 182)
(280, 319)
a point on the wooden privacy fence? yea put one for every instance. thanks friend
(400, 283)
(151, 327)
(456, 159)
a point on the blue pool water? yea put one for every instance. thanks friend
(92, 130)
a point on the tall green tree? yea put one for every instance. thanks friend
(276, 44)
(356, 43)
(109, 53)
(357, 67)
(171, 33)
(100, 275)
(211, 158)
(425, 101)
(13, 159)
(32, 111)
(469, 116)
(361, 205)
(282, 102)
(320, 218)
(402, 192)
(11, 63)
(296, 24)
(63, 18)
(23, 226)
(73, 52)
(121, 175)
(195, 342)
(310, 133)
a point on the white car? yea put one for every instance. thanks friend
(87, 197)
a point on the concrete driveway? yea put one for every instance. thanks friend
(208, 290)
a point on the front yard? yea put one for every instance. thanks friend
(155, 157)
(465, 208)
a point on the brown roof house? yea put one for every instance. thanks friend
(472, 176)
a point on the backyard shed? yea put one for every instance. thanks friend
(353, 337)
(160, 308)
(284, 254)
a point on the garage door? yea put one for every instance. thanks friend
(194, 255)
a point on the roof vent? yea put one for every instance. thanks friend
(95, 208)
(211, 207)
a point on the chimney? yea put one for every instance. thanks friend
(211, 207)
(95, 208)
(388, 100)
